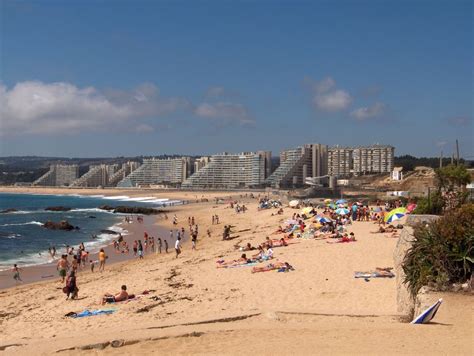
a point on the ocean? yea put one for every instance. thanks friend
(23, 239)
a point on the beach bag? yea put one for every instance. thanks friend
(65, 289)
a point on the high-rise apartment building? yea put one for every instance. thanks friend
(346, 161)
(171, 171)
(59, 175)
(307, 161)
(244, 170)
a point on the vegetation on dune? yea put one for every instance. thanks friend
(442, 252)
(450, 190)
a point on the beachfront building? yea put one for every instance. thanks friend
(373, 159)
(200, 163)
(105, 175)
(225, 170)
(340, 161)
(59, 175)
(170, 171)
(347, 161)
(299, 164)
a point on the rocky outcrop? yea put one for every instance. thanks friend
(131, 210)
(9, 210)
(57, 208)
(62, 225)
(110, 232)
(405, 301)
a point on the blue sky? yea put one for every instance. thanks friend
(107, 78)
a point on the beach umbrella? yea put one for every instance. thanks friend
(323, 219)
(341, 201)
(306, 210)
(395, 214)
(332, 206)
(327, 201)
(294, 203)
(411, 207)
(342, 211)
(341, 205)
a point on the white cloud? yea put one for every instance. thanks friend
(34, 107)
(336, 100)
(369, 112)
(325, 95)
(460, 121)
(229, 112)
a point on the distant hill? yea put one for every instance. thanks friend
(410, 162)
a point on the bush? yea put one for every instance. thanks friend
(442, 251)
(434, 205)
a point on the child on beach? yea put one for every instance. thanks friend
(177, 246)
(166, 246)
(92, 265)
(16, 273)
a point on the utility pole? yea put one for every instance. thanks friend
(457, 153)
(441, 159)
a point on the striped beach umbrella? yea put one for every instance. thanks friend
(342, 211)
(395, 214)
(323, 219)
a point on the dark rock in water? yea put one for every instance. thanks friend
(57, 208)
(62, 225)
(131, 210)
(91, 217)
(10, 210)
(110, 232)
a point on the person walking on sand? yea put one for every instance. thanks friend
(140, 250)
(16, 273)
(62, 267)
(102, 258)
(177, 246)
(194, 240)
(71, 286)
(159, 245)
(166, 246)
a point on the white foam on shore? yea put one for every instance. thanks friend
(116, 197)
(138, 199)
(21, 224)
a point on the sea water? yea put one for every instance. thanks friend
(23, 239)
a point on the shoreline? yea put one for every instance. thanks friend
(47, 271)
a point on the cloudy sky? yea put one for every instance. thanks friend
(108, 78)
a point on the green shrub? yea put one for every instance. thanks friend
(442, 251)
(434, 205)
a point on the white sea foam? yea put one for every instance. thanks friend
(138, 199)
(117, 197)
(21, 224)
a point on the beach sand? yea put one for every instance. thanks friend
(319, 308)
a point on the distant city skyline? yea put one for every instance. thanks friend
(108, 79)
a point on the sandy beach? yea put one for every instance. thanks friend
(196, 308)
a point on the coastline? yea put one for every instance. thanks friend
(48, 272)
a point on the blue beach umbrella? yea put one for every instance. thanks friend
(323, 219)
(341, 201)
(342, 211)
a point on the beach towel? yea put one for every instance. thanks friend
(428, 314)
(238, 266)
(86, 313)
(376, 274)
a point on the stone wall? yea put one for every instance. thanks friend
(405, 301)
